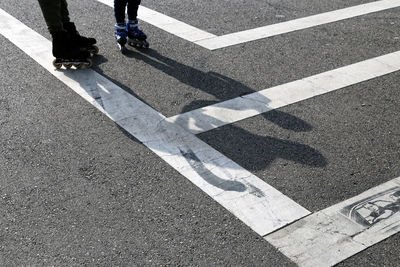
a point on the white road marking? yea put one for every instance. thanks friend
(230, 111)
(329, 236)
(295, 25)
(213, 42)
(257, 204)
(168, 24)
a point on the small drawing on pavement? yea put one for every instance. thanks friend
(374, 209)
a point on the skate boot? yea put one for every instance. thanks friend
(68, 53)
(121, 36)
(136, 37)
(83, 42)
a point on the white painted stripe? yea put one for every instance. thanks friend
(227, 112)
(257, 204)
(295, 25)
(168, 24)
(330, 236)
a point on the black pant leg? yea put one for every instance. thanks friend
(64, 11)
(133, 6)
(51, 10)
(119, 10)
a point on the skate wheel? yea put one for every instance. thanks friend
(89, 63)
(68, 66)
(95, 50)
(56, 64)
(78, 66)
(122, 48)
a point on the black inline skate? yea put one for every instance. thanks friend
(81, 41)
(68, 53)
(136, 37)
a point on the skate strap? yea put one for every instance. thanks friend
(119, 27)
(133, 25)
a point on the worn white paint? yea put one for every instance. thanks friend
(330, 236)
(295, 25)
(257, 204)
(230, 111)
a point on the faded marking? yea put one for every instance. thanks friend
(209, 177)
(374, 209)
(332, 235)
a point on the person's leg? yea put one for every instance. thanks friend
(64, 11)
(62, 47)
(82, 41)
(133, 6)
(119, 11)
(51, 10)
(120, 28)
(132, 26)
(76, 38)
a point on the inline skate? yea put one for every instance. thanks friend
(121, 36)
(68, 53)
(83, 42)
(136, 37)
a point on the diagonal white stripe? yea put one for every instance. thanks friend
(257, 204)
(295, 25)
(227, 112)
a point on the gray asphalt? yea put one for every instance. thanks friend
(77, 190)
(223, 17)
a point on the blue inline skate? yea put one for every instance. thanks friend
(121, 36)
(136, 37)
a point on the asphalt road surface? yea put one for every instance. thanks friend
(277, 131)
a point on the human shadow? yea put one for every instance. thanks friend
(256, 152)
(251, 151)
(221, 87)
(212, 83)
(245, 147)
